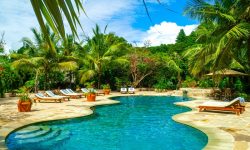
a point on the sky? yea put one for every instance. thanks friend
(126, 18)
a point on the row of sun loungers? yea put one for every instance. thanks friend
(129, 90)
(236, 106)
(66, 95)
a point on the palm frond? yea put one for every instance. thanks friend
(68, 66)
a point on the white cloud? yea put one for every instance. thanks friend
(166, 33)
(16, 19)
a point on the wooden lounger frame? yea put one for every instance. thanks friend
(74, 96)
(235, 106)
(232, 109)
(48, 99)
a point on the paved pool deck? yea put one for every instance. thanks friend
(226, 131)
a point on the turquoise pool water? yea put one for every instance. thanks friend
(139, 122)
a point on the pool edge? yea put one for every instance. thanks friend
(217, 138)
(3, 145)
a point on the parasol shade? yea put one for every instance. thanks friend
(227, 72)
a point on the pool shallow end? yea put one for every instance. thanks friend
(42, 112)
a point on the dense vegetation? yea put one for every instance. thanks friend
(52, 60)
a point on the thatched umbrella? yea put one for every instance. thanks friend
(227, 72)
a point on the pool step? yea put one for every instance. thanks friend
(38, 133)
(60, 139)
(28, 130)
(39, 139)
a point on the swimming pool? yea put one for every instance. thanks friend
(138, 122)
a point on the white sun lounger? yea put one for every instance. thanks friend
(51, 94)
(124, 90)
(131, 90)
(40, 96)
(72, 95)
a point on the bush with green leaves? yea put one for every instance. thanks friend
(206, 83)
(189, 82)
(164, 84)
(238, 85)
(105, 86)
(24, 93)
(224, 83)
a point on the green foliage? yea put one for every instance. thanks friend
(1, 87)
(206, 83)
(105, 86)
(181, 37)
(189, 82)
(222, 37)
(52, 12)
(2, 43)
(224, 83)
(90, 85)
(103, 49)
(243, 95)
(238, 85)
(164, 84)
(24, 93)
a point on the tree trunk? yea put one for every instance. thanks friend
(70, 79)
(36, 81)
(136, 82)
(179, 80)
(248, 50)
(99, 76)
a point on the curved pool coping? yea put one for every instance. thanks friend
(215, 140)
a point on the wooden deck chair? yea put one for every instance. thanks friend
(40, 96)
(233, 106)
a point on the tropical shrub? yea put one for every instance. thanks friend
(224, 83)
(206, 83)
(238, 85)
(189, 82)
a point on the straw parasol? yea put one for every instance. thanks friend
(227, 72)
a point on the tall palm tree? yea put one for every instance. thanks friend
(41, 58)
(102, 49)
(227, 33)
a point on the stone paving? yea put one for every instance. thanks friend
(225, 130)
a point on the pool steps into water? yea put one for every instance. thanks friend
(36, 134)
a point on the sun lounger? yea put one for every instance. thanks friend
(131, 90)
(84, 90)
(72, 95)
(51, 94)
(98, 92)
(233, 106)
(124, 90)
(40, 96)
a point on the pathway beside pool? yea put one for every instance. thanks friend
(225, 130)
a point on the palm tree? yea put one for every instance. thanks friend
(41, 58)
(102, 49)
(224, 34)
